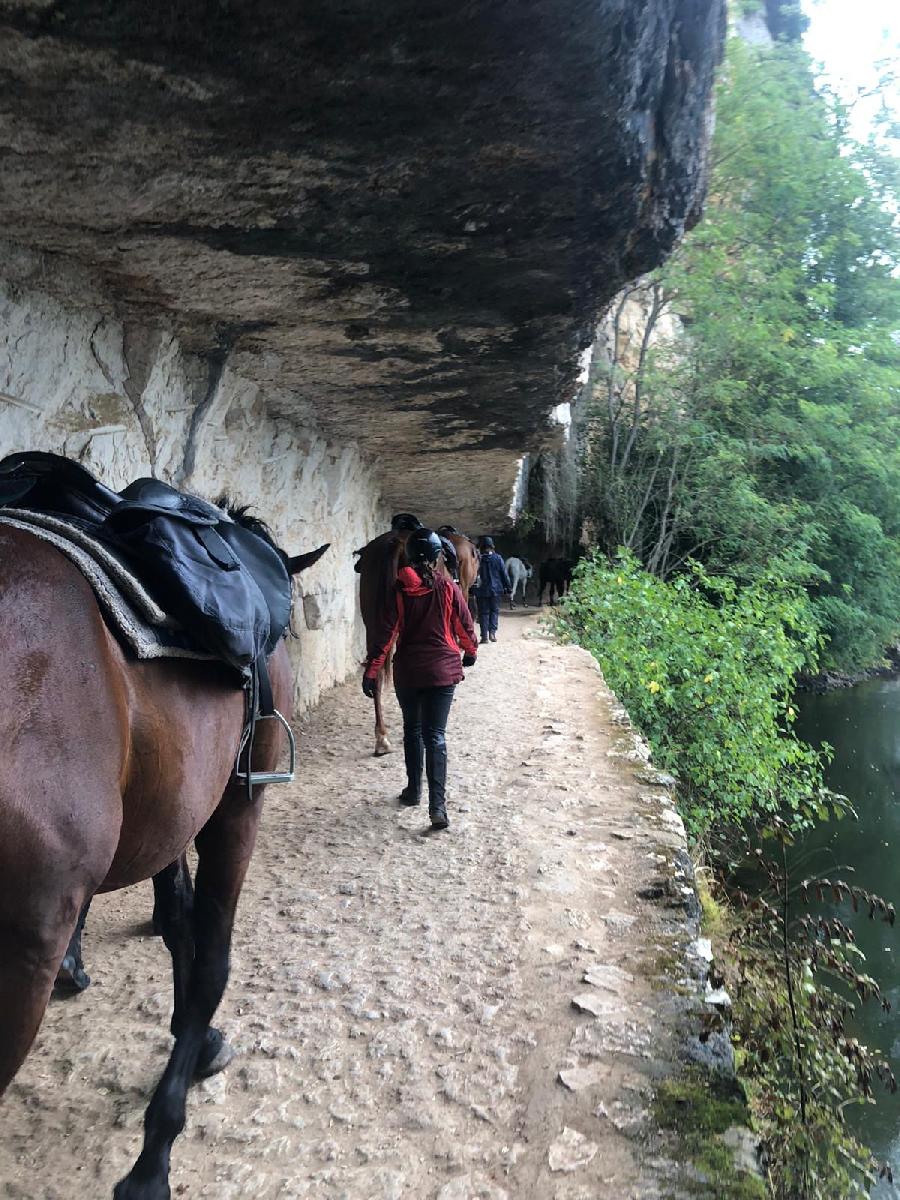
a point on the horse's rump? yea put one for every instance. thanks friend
(378, 564)
(104, 747)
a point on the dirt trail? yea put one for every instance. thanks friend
(402, 1003)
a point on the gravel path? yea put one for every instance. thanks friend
(402, 1002)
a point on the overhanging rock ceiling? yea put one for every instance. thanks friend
(402, 215)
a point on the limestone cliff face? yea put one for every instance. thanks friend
(639, 319)
(400, 216)
(127, 400)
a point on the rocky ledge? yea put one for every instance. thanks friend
(402, 215)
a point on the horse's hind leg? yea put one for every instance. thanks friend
(224, 845)
(71, 978)
(173, 909)
(382, 742)
(32, 950)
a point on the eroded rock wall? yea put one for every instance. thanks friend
(128, 400)
(407, 213)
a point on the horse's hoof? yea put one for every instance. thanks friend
(71, 979)
(381, 748)
(214, 1057)
(130, 1189)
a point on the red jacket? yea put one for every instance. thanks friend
(430, 625)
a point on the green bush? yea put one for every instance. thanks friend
(706, 670)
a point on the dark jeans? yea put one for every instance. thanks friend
(425, 712)
(488, 614)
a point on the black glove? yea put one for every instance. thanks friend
(469, 660)
(369, 687)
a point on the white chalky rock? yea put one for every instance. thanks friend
(703, 946)
(604, 975)
(717, 997)
(576, 1078)
(570, 1151)
(590, 1002)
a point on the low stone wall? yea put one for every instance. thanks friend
(127, 400)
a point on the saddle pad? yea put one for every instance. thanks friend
(135, 617)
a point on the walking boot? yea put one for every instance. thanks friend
(436, 771)
(438, 815)
(493, 637)
(414, 755)
(483, 640)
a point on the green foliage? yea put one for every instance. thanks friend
(792, 1030)
(526, 523)
(706, 668)
(767, 427)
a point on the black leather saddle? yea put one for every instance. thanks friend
(228, 587)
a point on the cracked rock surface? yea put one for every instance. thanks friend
(405, 214)
(402, 1003)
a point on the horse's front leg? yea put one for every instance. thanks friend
(71, 978)
(173, 912)
(224, 845)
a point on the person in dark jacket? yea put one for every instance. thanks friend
(492, 583)
(432, 624)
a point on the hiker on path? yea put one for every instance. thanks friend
(492, 583)
(432, 624)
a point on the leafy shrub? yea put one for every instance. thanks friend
(706, 670)
(799, 978)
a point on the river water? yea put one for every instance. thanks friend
(863, 725)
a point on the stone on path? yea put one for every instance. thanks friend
(570, 1151)
(576, 1078)
(604, 975)
(597, 1006)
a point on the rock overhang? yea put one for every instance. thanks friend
(401, 218)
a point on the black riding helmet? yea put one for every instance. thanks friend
(487, 543)
(423, 546)
(401, 522)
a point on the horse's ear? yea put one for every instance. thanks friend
(301, 561)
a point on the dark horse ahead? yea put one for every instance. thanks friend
(108, 768)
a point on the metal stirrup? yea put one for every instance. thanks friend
(253, 778)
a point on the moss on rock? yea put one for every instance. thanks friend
(698, 1108)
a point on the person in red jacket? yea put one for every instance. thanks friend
(431, 625)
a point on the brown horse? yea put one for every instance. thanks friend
(377, 565)
(109, 767)
(468, 558)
